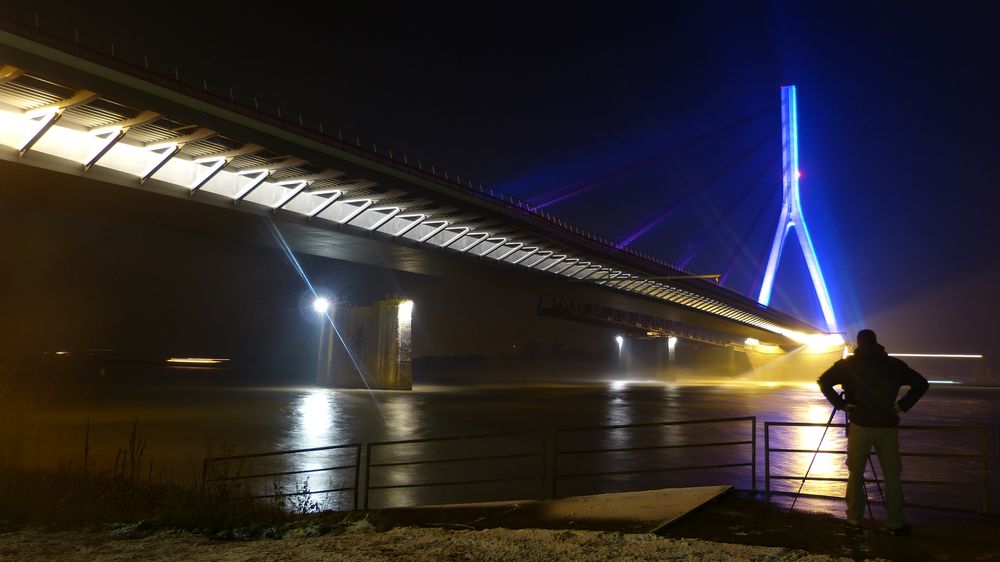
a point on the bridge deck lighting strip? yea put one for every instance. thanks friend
(365, 203)
(417, 219)
(112, 137)
(462, 230)
(254, 184)
(296, 188)
(556, 260)
(480, 238)
(527, 254)
(497, 242)
(334, 196)
(168, 153)
(393, 211)
(431, 234)
(514, 247)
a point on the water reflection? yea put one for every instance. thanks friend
(314, 417)
(811, 439)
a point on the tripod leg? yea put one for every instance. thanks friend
(818, 447)
(877, 484)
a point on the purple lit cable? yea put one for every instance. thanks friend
(561, 194)
(692, 192)
(702, 237)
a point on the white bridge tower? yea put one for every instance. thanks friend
(791, 213)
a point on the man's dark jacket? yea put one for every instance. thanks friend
(871, 381)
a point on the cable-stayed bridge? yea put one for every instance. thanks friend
(70, 109)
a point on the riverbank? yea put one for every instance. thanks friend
(361, 541)
(736, 526)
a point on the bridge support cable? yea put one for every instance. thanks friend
(791, 216)
(702, 237)
(742, 240)
(563, 193)
(701, 186)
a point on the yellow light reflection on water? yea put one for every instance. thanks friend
(825, 465)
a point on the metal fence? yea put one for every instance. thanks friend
(448, 469)
(650, 451)
(267, 475)
(514, 465)
(961, 451)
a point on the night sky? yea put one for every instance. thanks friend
(650, 107)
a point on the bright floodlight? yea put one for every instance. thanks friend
(621, 341)
(321, 305)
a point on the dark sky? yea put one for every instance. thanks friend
(898, 120)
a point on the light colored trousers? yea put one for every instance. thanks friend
(860, 440)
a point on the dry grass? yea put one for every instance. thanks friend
(80, 493)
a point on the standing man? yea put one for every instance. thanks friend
(871, 381)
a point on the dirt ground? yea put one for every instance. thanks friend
(736, 526)
(817, 525)
(361, 541)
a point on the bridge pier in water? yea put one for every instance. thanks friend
(368, 346)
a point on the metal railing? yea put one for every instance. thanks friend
(980, 457)
(573, 456)
(533, 463)
(219, 470)
(503, 463)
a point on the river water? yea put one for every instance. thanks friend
(181, 424)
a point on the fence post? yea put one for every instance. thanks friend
(984, 462)
(753, 453)
(767, 458)
(549, 468)
(357, 475)
(368, 469)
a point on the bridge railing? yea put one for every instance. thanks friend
(961, 452)
(114, 56)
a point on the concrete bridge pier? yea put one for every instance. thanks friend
(373, 348)
(649, 358)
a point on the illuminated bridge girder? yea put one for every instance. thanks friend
(178, 144)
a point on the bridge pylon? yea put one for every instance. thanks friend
(791, 213)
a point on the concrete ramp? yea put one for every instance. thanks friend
(630, 512)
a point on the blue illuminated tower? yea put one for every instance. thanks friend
(791, 213)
